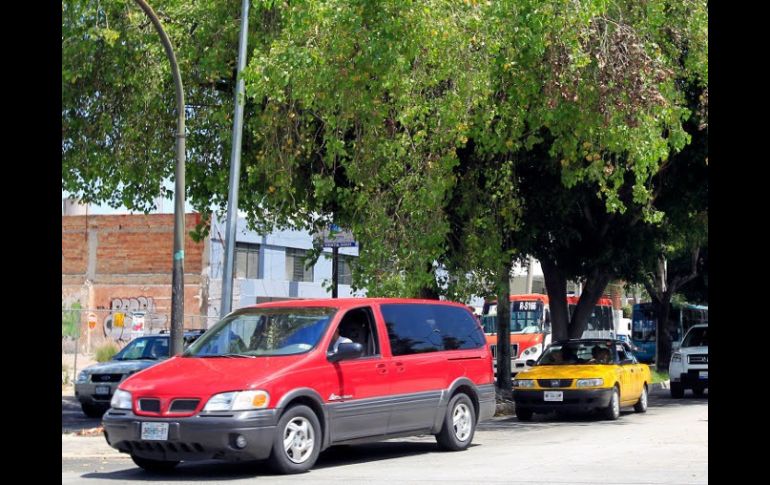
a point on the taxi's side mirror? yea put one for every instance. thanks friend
(531, 362)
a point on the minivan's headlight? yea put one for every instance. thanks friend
(523, 383)
(589, 382)
(121, 400)
(238, 401)
(676, 357)
(82, 377)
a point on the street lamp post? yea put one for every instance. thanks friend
(235, 167)
(177, 278)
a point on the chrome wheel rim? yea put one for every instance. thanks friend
(461, 421)
(643, 399)
(298, 439)
(615, 403)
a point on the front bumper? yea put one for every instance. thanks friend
(693, 378)
(86, 393)
(574, 399)
(200, 437)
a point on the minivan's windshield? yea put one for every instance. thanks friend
(696, 337)
(264, 332)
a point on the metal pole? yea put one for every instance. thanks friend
(177, 278)
(530, 269)
(235, 168)
(335, 270)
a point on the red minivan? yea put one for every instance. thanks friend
(286, 380)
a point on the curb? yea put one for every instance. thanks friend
(661, 385)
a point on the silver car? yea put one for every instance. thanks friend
(95, 384)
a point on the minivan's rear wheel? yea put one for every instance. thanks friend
(459, 424)
(641, 405)
(158, 466)
(297, 441)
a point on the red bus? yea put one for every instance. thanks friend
(531, 326)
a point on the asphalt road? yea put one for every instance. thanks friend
(667, 445)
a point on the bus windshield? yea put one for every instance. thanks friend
(526, 317)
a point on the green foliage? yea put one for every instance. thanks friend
(423, 127)
(106, 351)
(70, 320)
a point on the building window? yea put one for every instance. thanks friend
(295, 265)
(344, 272)
(246, 260)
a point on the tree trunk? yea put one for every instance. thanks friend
(663, 332)
(592, 291)
(556, 286)
(504, 331)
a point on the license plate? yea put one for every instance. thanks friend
(155, 431)
(102, 390)
(553, 396)
(704, 374)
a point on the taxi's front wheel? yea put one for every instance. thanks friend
(612, 411)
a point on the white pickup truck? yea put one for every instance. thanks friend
(689, 367)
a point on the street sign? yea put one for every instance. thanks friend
(91, 321)
(335, 237)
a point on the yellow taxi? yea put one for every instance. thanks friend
(583, 375)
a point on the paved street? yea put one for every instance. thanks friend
(667, 445)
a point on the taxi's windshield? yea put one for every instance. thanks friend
(578, 353)
(264, 332)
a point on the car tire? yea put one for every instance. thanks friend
(157, 466)
(459, 424)
(698, 391)
(93, 410)
(677, 391)
(612, 411)
(641, 405)
(297, 441)
(524, 414)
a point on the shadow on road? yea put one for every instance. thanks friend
(223, 471)
(660, 398)
(72, 418)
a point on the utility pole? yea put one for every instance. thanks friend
(177, 278)
(235, 168)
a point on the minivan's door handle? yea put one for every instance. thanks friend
(400, 367)
(381, 369)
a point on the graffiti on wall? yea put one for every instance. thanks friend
(129, 317)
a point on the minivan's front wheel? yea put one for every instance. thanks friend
(459, 424)
(157, 466)
(297, 441)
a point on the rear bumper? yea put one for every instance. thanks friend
(196, 437)
(487, 404)
(574, 400)
(692, 378)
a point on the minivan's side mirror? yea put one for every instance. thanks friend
(345, 351)
(547, 325)
(676, 345)
(531, 362)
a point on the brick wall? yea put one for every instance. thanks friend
(125, 262)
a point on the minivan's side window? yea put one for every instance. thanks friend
(418, 328)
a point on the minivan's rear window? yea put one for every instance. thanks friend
(417, 328)
(264, 332)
